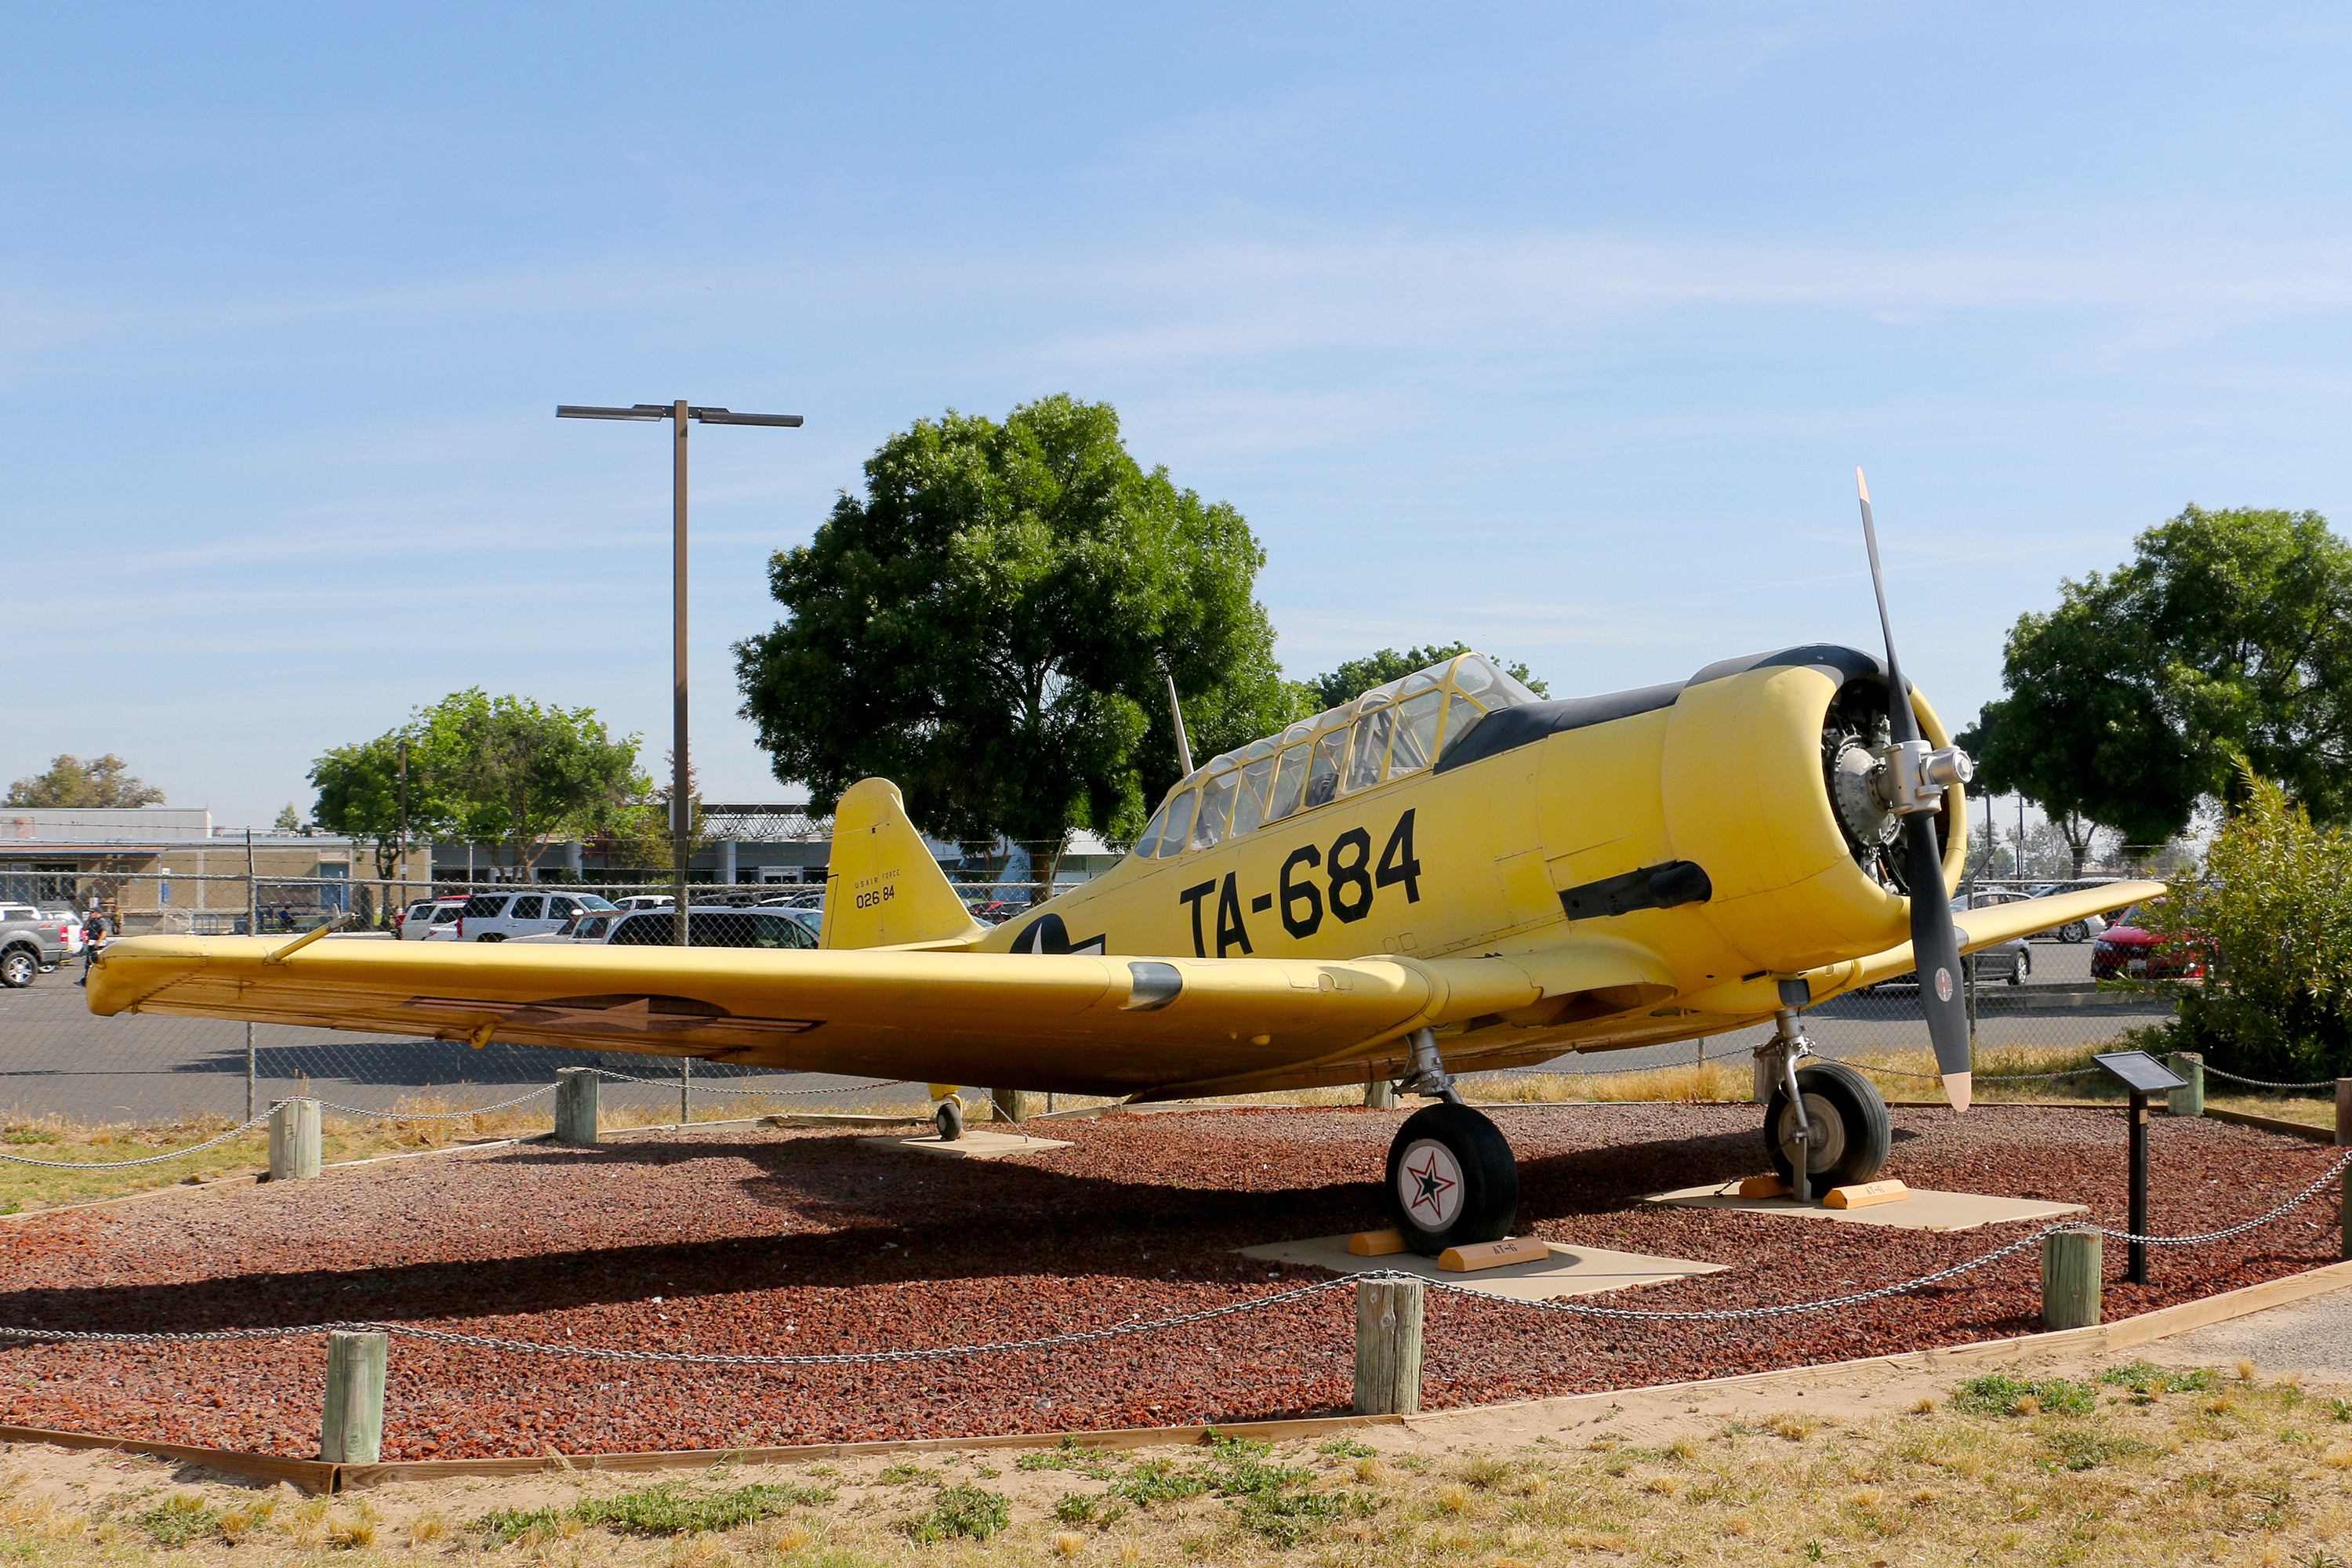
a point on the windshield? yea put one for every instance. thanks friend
(591, 902)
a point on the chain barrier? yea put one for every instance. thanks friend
(2265, 1083)
(150, 1160)
(437, 1115)
(1984, 1077)
(1118, 1331)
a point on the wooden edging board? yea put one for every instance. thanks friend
(2310, 1131)
(310, 1475)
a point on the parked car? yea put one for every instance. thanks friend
(648, 902)
(2009, 960)
(713, 925)
(2127, 949)
(498, 917)
(421, 911)
(33, 940)
(811, 899)
(588, 925)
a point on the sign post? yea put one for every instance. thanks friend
(2143, 1075)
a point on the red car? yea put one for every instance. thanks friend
(2127, 949)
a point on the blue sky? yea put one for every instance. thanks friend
(1559, 330)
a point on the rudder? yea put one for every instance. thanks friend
(882, 887)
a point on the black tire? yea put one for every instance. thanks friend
(1451, 1179)
(1846, 1107)
(17, 967)
(950, 1117)
(2073, 931)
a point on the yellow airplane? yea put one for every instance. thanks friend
(1447, 875)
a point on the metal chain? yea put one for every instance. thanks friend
(1118, 1331)
(2265, 1083)
(150, 1160)
(437, 1115)
(1982, 1078)
(2297, 1200)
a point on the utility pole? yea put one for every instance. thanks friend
(681, 809)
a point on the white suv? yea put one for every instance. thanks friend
(496, 917)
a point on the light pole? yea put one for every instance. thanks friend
(681, 812)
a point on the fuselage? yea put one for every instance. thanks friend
(1693, 819)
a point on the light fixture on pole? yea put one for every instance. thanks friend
(681, 810)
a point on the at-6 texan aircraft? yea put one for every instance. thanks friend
(1445, 875)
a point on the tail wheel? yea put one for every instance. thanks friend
(1851, 1132)
(950, 1117)
(1452, 1179)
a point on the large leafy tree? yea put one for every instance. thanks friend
(1358, 676)
(493, 769)
(2229, 633)
(990, 623)
(72, 782)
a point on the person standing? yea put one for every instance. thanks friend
(93, 932)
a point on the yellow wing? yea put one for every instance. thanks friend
(1088, 1023)
(2004, 923)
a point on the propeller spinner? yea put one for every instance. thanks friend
(1911, 782)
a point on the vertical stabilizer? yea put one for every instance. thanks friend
(883, 889)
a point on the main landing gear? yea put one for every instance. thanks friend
(1452, 1179)
(1828, 1113)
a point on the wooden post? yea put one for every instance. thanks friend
(1388, 1347)
(1380, 1094)
(2344, 1218)
(2343, 1111)
(2071, 1275)
(294, 1140)
(2189, 1102)
(353, 1430)
(1012, 1104)
(575, 1106)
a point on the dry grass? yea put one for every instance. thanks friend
(2144, 1477)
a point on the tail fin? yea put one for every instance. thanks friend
(883, 889)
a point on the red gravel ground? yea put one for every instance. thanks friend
(800, 1241)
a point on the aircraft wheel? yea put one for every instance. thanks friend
(1851, 1132)
(950, 1116)
(1452, 1179)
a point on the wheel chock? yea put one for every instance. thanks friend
(1763, 1187)
(1377, 1243)
(1493, 1254)
(1861, 1195)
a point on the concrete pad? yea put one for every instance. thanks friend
(1568, 1271)
(974, 1144)
(1925, 1209)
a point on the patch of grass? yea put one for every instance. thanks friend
(1071, 1455)
(971, 1513)
(2148, 1379)
(2078, 1449)
(906, 1474)
(1347, 1449)
(179, 1520)
(1998, 1394)
(1088, 1508)
(1156, 1480)
(667, 1509)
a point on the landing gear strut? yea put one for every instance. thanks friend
(1826, 1125)
(1451, 1177)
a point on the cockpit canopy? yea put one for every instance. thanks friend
(1386, 734)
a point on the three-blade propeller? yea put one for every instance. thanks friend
(1914, 773)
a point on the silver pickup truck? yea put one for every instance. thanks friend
(33, 940)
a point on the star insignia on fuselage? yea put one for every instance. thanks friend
(1430, 1187)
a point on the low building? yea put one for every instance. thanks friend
(169, 869)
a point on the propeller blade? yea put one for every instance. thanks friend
(1934, 943)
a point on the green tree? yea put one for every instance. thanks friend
(989, 624)
(71, 783)
(2271, 918)
(2228, 633)
(496, 770)
(289, 819)
(1358, 676)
